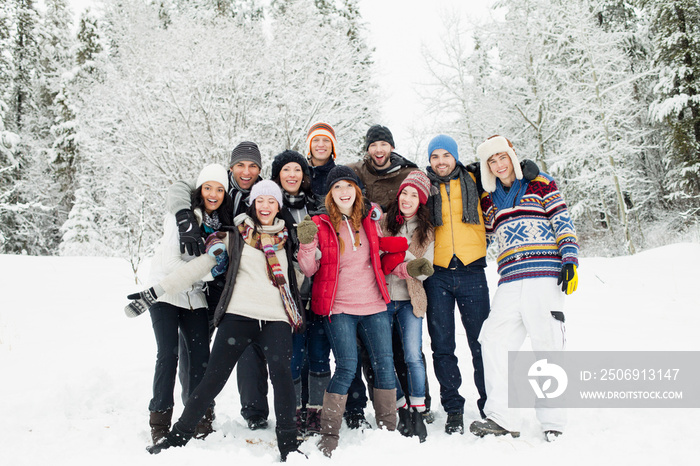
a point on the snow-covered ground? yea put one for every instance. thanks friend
(76, 375)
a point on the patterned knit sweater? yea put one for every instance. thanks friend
(535, 235)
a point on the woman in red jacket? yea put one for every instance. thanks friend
(340, 249)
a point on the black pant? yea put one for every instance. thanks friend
(234, 335)
(213, 292)
(193, 327)
(251, 375)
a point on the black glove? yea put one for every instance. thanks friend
(190, 234)
(475, 169)
(568, 278)
(530, 169)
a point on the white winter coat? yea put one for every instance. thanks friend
(168, 258)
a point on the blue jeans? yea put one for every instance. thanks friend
(375, 332)
(313, 348)
(410, 329)
(466, 286)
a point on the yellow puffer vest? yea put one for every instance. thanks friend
(466, 241)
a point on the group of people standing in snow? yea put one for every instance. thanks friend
(350, 259)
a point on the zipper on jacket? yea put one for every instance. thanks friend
(189, 303)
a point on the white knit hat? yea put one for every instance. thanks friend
(213, 172)
(495, 145)
(265, 188)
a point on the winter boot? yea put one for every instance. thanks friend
(454, 424)
(287, 442)
(176, 438)
(357, 421)
(313, 421)
(256, 422)
(140, 303)
(418, 425)
(551, 435)
(489, 427)
(300, 419)
(404, 427)
(385, 408)
(428, 416)
(331, 420)
(204, 427)
(160, 424)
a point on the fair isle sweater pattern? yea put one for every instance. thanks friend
(535, 236)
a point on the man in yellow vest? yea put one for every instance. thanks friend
(459, 278)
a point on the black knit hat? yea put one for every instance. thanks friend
(286, 157)
(339, 173)
(246, 151)
(378, 133)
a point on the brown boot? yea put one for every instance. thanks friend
(331, 420)
(385, 408)
(160, 424)
(204, 427)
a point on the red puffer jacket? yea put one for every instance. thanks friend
(326, 278)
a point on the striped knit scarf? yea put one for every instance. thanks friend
(269, 244)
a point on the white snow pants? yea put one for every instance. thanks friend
(518, 309)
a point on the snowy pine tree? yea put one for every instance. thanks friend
(677, 55)
(80, 235)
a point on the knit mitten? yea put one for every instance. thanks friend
(418, 267)
(214, 244)
(221, 265)
(306, 230)
(391, 260)
(393, 244)
(140, 303)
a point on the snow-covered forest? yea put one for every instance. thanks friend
(98, 117)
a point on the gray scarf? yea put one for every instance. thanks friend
(470, 195)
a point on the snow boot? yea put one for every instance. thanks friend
(551, 435)
(405, 427)
(385, 408)
(140, 303)
(331, 420)
(454, 424)
(256, 422)
(489, 427)
(287, 442)
(313, 421)
(175, 438)
(160, 424)
(357, 421)
(418, 425)
(204, 427)
(300, 419)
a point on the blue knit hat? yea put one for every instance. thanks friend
(442, 141)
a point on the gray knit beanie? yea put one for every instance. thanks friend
(246, 151)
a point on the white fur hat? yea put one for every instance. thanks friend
(495, 145)
(213, 172)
